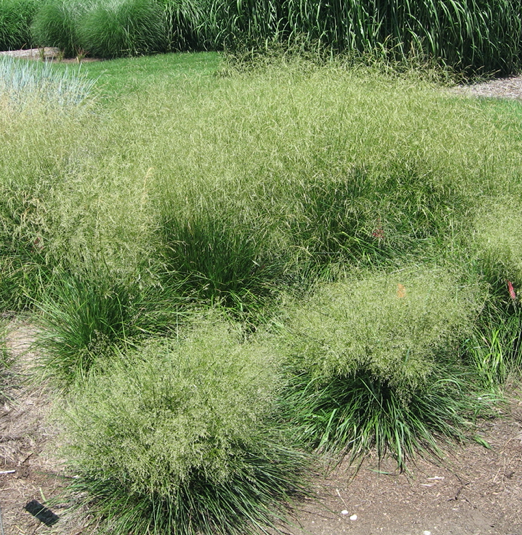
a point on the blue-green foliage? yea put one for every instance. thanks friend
(22, 81)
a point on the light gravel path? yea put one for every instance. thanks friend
(510, 88)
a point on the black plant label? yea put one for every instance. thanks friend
(42, 513)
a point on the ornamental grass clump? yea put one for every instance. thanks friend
(123, 28)
(495, 347)
(42, 114)
(498, 242)
(178, 437)
(217, 253)
(56, 23)
(15, 23)
(26, 84)
(6, 359)
(375, 361)
(88, 316)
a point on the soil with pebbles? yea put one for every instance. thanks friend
(474, 491)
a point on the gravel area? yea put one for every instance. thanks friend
(510, 88)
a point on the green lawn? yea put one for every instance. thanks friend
(130, 75)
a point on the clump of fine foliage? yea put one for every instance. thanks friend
(6, 359)
(41, 113)
(123, 28)
(56, 24)
(183, 188)
(498, 238)
(375, 359)
(88, 316)
(15, 23)
(495, 348)
(178, 437)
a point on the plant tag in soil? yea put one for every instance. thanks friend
(42, 513)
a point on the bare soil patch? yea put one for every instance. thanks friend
(30, 464)
(474, 491)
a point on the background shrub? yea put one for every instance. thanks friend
(15, 23)
(180, 432)
(468, 35)
(187, 23)
(123, 28)
(57, 23)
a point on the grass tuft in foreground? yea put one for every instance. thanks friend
(86, 318)
(178, 437)
(6, 359)
(375, 363)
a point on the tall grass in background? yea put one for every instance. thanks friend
(123, 28)
(468, 35)
(56, 24)
(179, 437)
(15, 23)
(189, 24)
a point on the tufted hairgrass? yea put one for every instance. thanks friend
(287, 170)
(41, 113)
(494, 349)
(86, 317)
(498, 240)
(178, 436)
(375, 362)
(6, 359)
(229, 189)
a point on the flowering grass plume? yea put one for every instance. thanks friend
(178, 437)
(375, 360)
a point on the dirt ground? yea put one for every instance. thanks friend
(475, 491)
